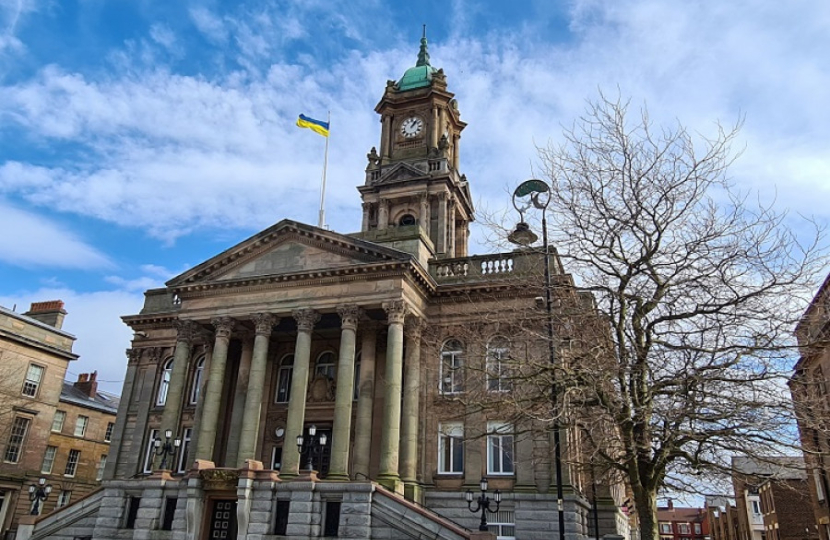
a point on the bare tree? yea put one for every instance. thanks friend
(698, 290)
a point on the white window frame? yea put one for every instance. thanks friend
(497, 522)
(64, 498)
(698, 529)
(17, 439)
(329, 369)
(102, 463)
(501, 454)
(665, 528)
(183, 450)
(452, 368)
(108, 432)
(498, 353)
(150, 453)
(683, 528)
(48, 459)
(198, 375)
(81, 425)
(284, 377)
(450, 440)
(34, 376)
(164, 383)
(71, 468)
(274, 465)
(58, 420)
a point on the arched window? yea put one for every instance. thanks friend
(284, 379)
(498, 374)
(325, 365)
(407, 219)
(452, 365)
(198, 373)
(164, 385)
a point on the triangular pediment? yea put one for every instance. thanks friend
(287, 248)
(401, 173)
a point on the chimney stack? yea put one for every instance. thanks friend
(87, 383)
(51, 312)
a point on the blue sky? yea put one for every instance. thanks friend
(139, 138)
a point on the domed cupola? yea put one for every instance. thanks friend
(419, 76)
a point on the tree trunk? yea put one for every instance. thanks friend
(647, 514)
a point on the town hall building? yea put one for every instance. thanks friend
(306, 383)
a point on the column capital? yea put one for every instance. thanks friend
(264, 323)
(395, 311)
(224, 326)
(349, 316)
(306, 319)
(133, 355)
(186, 330)
(414, 326)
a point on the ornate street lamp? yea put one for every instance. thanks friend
(39, 493)
(536, 194)
(167, 448)
(313, 446)
(483, 503)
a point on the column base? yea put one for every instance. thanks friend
(392, 482)
(412, 491)
(337, 477)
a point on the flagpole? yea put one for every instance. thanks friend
(322, 221)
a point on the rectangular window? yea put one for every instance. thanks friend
(58, 420)
(64, 497)
(80, 425)
(451, 447)
(48, 459)
(20, 427)
(276, 458)
(150, 454)
(665, 528)
(684, 528)
(108, 433)
(698, 530)
(452, 380)
(281, 517)
(101, 466)
(503, 525)
(756, 507)
(331, 526)
(133, 503)
(72, 463)
(284, 384)
(185, 448)
(499, 448)
(33, 377)
(169, 513)
(498, 374)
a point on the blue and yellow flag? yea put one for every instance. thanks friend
(315, 125)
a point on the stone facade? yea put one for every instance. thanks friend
(386, 341)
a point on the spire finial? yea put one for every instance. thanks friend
(423, 55)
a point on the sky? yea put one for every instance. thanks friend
(140, 138)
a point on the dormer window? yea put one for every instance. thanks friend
(406, 220)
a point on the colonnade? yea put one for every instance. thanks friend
(399, 433)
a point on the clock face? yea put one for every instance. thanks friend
(412, 127)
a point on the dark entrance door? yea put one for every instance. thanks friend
(321, 457)
(222, 519)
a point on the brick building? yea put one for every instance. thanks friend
(723, 518)
(808, 386)
(678, 523)
(49, 428)
(785, 505)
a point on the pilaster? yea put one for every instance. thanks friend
(411, 405)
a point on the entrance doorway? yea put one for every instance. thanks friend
(222, 520)
(321, 456)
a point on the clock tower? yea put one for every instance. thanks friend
(413, 185)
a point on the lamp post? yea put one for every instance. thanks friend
(166, 448)
(314, 445)
(39, 493)
(483, 503)
(536, 194)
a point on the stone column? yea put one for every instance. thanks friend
(451, 228)
(341, 433)
(367, 208)
(238, 405)
(411, 404)
(391, 433)
(385, 136)
(383, 214)
(436, 127)
(130, 380)
(441, 237)
(365, 403)
(306, 318)
(185, 332)
(423, 219)
(213, 390)
(264, 322)
(456, 159)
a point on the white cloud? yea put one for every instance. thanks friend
(209, 24)
(39, 242)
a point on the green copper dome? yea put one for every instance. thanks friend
(419, 76)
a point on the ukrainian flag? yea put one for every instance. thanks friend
(315, 125)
